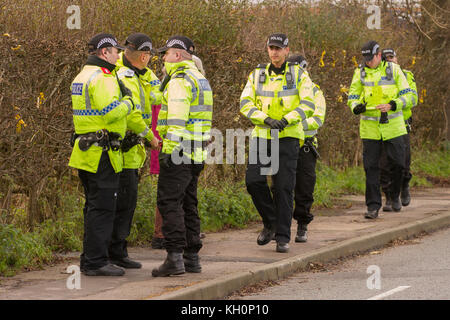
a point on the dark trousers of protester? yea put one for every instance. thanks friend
(304, 185)
(386, 170)
(395, 152)
(126, 204)
(100, 190)
(177, 203)
(276, 211)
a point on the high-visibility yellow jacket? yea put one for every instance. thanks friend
(377, 86)
(414, 97)
(145, 90)
(313, 123)
(185, 118)
(288, 95)
(97, 105)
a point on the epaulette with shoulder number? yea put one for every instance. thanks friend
(129, 73)
(261, 66)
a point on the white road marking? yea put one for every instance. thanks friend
(388, 293)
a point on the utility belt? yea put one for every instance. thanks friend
(131, 139)
(309, 146)
(102, 138)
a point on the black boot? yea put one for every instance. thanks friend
(302, 233)
(126, 263)
(107, 270)
(173, 265)
(405, 196)
(192, 262)
(396, 204)
(388, 206)
(371, 214)
(265, 236)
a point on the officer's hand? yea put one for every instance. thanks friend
(276, 124)
(154, 144)
(384, 107)
(164, 160)
(360, 108)
(123, 89)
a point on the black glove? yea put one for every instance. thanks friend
(360, 108)
(164, 160)
(276, 124)
(123, 89)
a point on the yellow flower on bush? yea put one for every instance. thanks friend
(239, 60)
(355, 62)
(340, 99)
(16, 48)
(20, 123)
(321, 63)
(344, 89)
(7, 35)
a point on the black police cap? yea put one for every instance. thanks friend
(103, 40)
(278, 40)
(140, 42)
(178, 42)
(370, 49)
(388, 52)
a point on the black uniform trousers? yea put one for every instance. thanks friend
(304, 185)
(100, 190)
(126, 204)
(276, 212)
(177, 203)
(386, 170)
(395, 152)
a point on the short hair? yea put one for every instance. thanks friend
(98, 52)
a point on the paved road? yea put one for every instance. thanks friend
(418, 269)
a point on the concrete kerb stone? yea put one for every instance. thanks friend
(225, 285)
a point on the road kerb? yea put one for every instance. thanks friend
(225, 285)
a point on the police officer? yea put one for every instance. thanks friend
(142, 82)
(306, 164)
(100, 121)
(277, 97)
(390, 56)
(184, 122)
(379, 92)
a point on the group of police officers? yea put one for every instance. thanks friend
(112, 98)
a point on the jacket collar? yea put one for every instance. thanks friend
(93, 60)
(128, 64)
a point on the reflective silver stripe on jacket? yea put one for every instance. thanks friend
(286, 93)
(390, 116)
(244, 102)
(386, 82)
(144, 133)
(86, 94)
(300, 112)
(128, 103)
(252, 110)
(176, 122)
(404, 102)
(310, 133)
(309, 104)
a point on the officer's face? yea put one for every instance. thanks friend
(375, 61)
(171, 56)
(277, 55)
(391, 58)
(111, 55)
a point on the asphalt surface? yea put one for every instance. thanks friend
(417, 269)
(231, 259)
